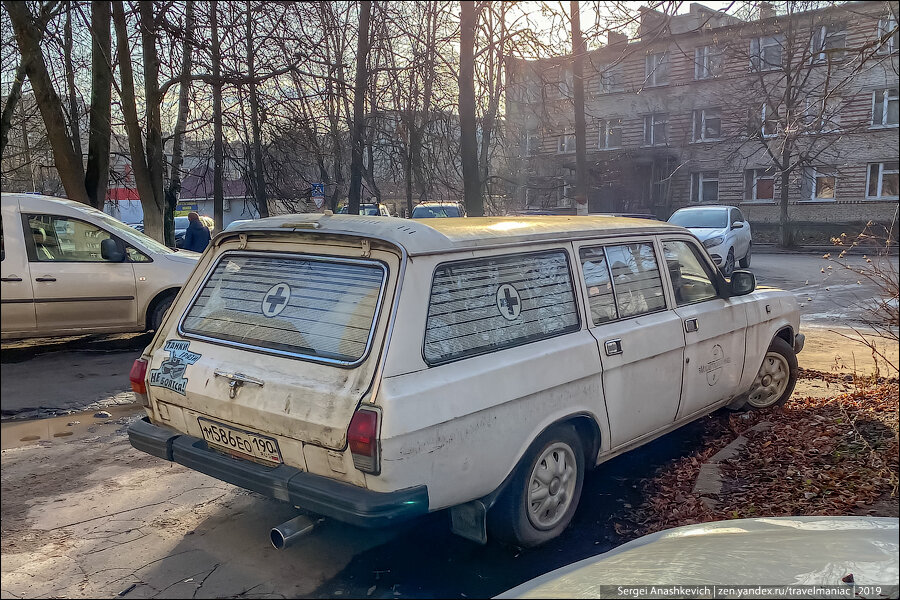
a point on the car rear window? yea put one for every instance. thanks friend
(322, 309)
(488, 304)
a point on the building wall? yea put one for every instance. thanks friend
(540, 105)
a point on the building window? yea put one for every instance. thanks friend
(885, 107)
(707, 124)
(564, 194)
(656, 69)
(532, 143)
(889, 35)
(822, 183)
(655, 129)
(610, 134)
(765, 52)
(884, 181)
(565, 143)
(611, 79)
(759, 185)
(708, 62)
(769, 121)
(705, 186)
(822, 115)
(828, 41)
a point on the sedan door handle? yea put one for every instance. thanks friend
(691, 325)
(613, 347)
(45, 278)
(11, 278)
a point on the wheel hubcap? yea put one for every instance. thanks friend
(551, 486)
(771, 381)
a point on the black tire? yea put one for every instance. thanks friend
(514, 519)
(158, 313)
(779, 362)
(728, 267)
(745, 262)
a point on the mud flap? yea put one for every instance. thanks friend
(469, 520)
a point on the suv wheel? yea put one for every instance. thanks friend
(543, 495)
(728, 267)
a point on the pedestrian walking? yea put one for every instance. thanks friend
(196, 238)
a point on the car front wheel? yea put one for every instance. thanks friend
(776, 377)
(728, 267)
(745, 262)
(541, 500)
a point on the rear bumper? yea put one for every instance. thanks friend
(341, 501)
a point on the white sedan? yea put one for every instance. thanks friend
(722, 230)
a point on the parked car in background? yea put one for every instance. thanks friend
(71, 269)
(181, 225)
(371, 210)
(785, 552)
(529, 351)
(139, 226)
(237, 222)
(722, 230)
(428, 210)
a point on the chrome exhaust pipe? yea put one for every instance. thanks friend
(289, 532)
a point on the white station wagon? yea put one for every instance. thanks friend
(373, 369)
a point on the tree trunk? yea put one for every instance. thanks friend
(218, 144)
(259, 180)
(784, 222)
(15, 94)
(173, 191)
(468, 145)
(74, 120)
(359, 104)
(581, 178)
(150, 201)
(29, 37)
(156, 162)
(96, 177)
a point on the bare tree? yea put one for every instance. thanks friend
(96, 177)
(468, 22)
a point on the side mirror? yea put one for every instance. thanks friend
(742, 283)
(110, 250)
(737, 225)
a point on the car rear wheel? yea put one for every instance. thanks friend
(776, 377)
(543, 495)
(745, 262)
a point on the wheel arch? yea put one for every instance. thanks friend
(787, 334)
(159, 298)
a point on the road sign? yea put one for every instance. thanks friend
(318, 194)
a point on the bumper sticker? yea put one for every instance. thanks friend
(170, 374)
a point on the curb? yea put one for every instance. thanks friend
(708, 484)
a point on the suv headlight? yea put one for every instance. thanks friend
(714, 241)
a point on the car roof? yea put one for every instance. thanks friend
(438, 203)
(705, 206)
(51, 204)
(433, 236)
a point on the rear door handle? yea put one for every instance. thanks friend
(613, 347)
(45, 278)
(691, 325)
(11, 278)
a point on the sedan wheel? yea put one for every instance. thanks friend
(728, 267)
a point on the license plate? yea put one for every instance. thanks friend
(239, 441)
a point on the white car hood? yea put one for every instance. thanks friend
(772, 552)
(705, 233)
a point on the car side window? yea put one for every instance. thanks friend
(136, 256)
(735, 216)
(635, 276)
(601, 300)
(691, 282)
(62, 239)
(489, 304)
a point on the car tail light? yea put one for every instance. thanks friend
(362, 437)
(137, 377)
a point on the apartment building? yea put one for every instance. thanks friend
(706, 108)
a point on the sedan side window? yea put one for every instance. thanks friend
(61, 239)
(636, 282)
(690, 281)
